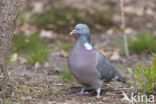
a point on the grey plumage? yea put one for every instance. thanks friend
(106, 69)
(88, 66)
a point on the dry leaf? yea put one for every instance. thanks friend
(14, 57)
(128, 30)
(129, 9)
(112, 31)
(22, 60)
(46, 64)
(47, 34)
(150, 12)
(64, 53)
(117, 18)
(37, 65)
(106, 53)
(115, 56)
(38, 7)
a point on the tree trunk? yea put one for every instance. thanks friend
(9, 10)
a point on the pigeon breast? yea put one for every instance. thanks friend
(82, 65)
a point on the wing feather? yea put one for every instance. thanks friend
(105, 68)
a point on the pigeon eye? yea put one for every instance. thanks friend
(81, 28)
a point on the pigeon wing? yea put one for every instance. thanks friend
(105, 68)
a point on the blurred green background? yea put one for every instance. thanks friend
(43, 26)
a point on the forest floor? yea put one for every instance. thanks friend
(42, 84)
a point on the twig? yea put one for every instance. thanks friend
(123, 28)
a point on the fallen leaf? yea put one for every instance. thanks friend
(14, 57)
(26, 28)
(108, 54)
(128, 30)
(112, 31)
(47, 34)
(37, 65)
(117, 18)
(134, 10)
(115, 56)
(64, 53)
(150, 12)
(38, 7)
(22, 60)
(129, 9)
(98, 26)
(46, 64)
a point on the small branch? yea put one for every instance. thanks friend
(123, 28)
(122, 13)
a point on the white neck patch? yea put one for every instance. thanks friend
(88, 46)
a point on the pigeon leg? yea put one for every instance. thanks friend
(82, 91)
(98, 93)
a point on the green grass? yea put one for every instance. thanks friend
(45, 92)
(145, 77)
(31, 47)
(144, 42)
(37, 56)
(66, 75)
(65, 45)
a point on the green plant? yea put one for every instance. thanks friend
(31, 47)
(7, 102)
(66, 74)
(145, 77)
(38, 56)
(65, 45)
(144, 42)
(45, 91)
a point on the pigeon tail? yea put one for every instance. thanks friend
(119, 78)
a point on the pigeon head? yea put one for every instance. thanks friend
(82, 30)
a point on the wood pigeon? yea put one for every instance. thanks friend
(89, 67)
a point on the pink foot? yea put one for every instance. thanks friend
(98, 96)
(98, 93)
(80, 93)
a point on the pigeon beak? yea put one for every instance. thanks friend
(73, 32)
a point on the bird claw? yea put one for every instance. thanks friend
(98, 93)
(80, 93)
(98, 96)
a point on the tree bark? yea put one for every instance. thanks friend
(9, 10)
